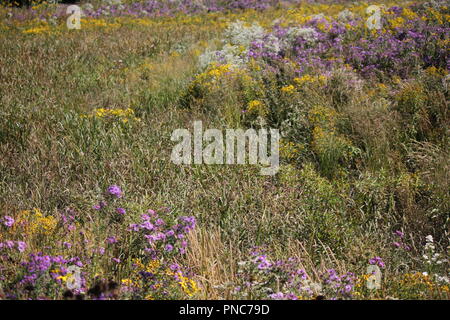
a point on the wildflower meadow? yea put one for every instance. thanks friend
(93, 207)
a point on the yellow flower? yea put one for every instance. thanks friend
(62, 278)
(38, 30)
(397, 22)
(409, 14)
(127, 282)
(34, 222)
(310, 79)
(258, 107)
(123, 115)
(189, 286)
(288, 89)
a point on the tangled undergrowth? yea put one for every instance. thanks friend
(359, 208)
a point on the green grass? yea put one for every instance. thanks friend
(337, 207)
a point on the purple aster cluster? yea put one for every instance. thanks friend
(154, 8)
(8, 221)
(377, 261)
(398, 52)
(160, 236)
(115, 191)
(9, 244)
(40, 264)
(338, 285)
(286, 280)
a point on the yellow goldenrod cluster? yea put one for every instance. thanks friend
(360, 284)
(218, 71)
(152, 266)
(396, 22)
(436, 72)
(288, 89)
(34, 222)
(213, 77)
(127, 282)
(38, 30)
(123, 115)
(310, 79)
(435, 15)
(409, 14)
(98, 23)
(189, 286)
(257, 107)
(413, 279)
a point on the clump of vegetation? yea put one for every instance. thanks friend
(86, 118)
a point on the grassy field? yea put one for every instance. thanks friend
(86, 179)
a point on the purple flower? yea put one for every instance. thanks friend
(8, 221)
(170, 233)
(377, 261)
(168, 247)
(116, 260)
(188, 223)
(121, 211)
(115, 191)
(277, 296)
(160, 236)
(67, 244)
(348, 288)
(150, 238)
(111, 240)
(21, 246)
(174, 267)
(9, 244)
(399, 233)
(262, 262)
(147, 225)
(99, 206)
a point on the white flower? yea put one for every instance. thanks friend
(318, 16)
(310, 35)
(345, 15)
(429, 238)
(228, 55)
(425, 273)
(270, 43)
(240, 35)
